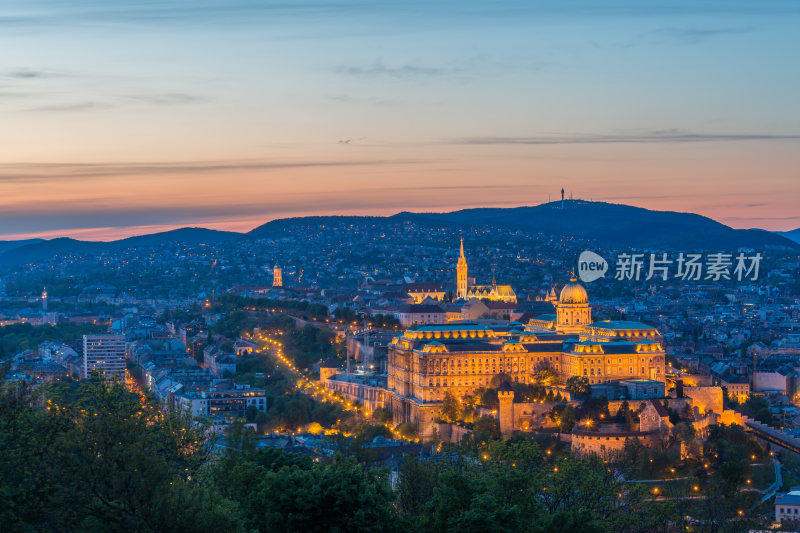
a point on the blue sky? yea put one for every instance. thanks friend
(122, 117)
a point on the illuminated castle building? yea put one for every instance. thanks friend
(427, 361)
(465, 291)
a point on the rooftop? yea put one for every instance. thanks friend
(449, 327)
(619, 324)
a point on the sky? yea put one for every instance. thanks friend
(122, 118)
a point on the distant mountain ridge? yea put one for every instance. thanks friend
(5, 246)
(605, 224)
(184, 235)
(619, 226)
(602, 224)
(34, 250)
(793, 235)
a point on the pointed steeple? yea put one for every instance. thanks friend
(461, 273)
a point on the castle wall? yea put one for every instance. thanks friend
(405, 410)
(369, 396)
(451, 432)
(608, 445)
(532, 415)
(705, 398)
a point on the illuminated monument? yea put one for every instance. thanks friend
(493, 292)
(461, 274)
(277, 276)
(572, 308)
(428, 361)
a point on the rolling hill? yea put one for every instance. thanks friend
(616, 225)
(600, 224)
(603, 224)
(16, 253)
(793, 235)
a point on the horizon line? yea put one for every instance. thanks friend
(110, 234)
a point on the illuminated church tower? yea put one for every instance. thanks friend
(461, 274)
(277, 277)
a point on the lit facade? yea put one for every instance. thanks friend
(222, 403)
(105, 354)
(465, 291)
(277, 276)
(419, 292)
(462, 281)
(428, 361)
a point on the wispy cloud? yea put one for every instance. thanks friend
(406, 71)
(168, 98)
(69, 107)
(380, 102)
(30, 74)
(48, 217)
(651, 136)
(154, 99)
(698, 35)
(786, 218)
(37, 172)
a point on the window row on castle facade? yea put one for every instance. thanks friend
(614, 371)
(458, 334)
(476, 382)
(622, 333)
(483, 365)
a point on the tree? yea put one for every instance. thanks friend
(563, 415)
(407, 430)
(451, 408)
(520, 451)
(763, 415)
(632, 452)
(545, 375)
(489, 399)
(99, 459)
(486, 428)
(415, 483)
(626, 416)
(499, 379)
(382, 415)
(578, 386)
(328, 497)
(595, 407)
(585, 486)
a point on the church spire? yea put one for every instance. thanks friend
(461, 274)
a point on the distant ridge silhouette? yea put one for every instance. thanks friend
(601, 224)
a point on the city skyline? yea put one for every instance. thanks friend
(139, 118)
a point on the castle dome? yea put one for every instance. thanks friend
(573, 293)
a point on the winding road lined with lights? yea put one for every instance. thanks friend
(314, 389)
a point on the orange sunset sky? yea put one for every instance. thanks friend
(137, 117)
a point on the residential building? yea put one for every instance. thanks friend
(105, 354)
